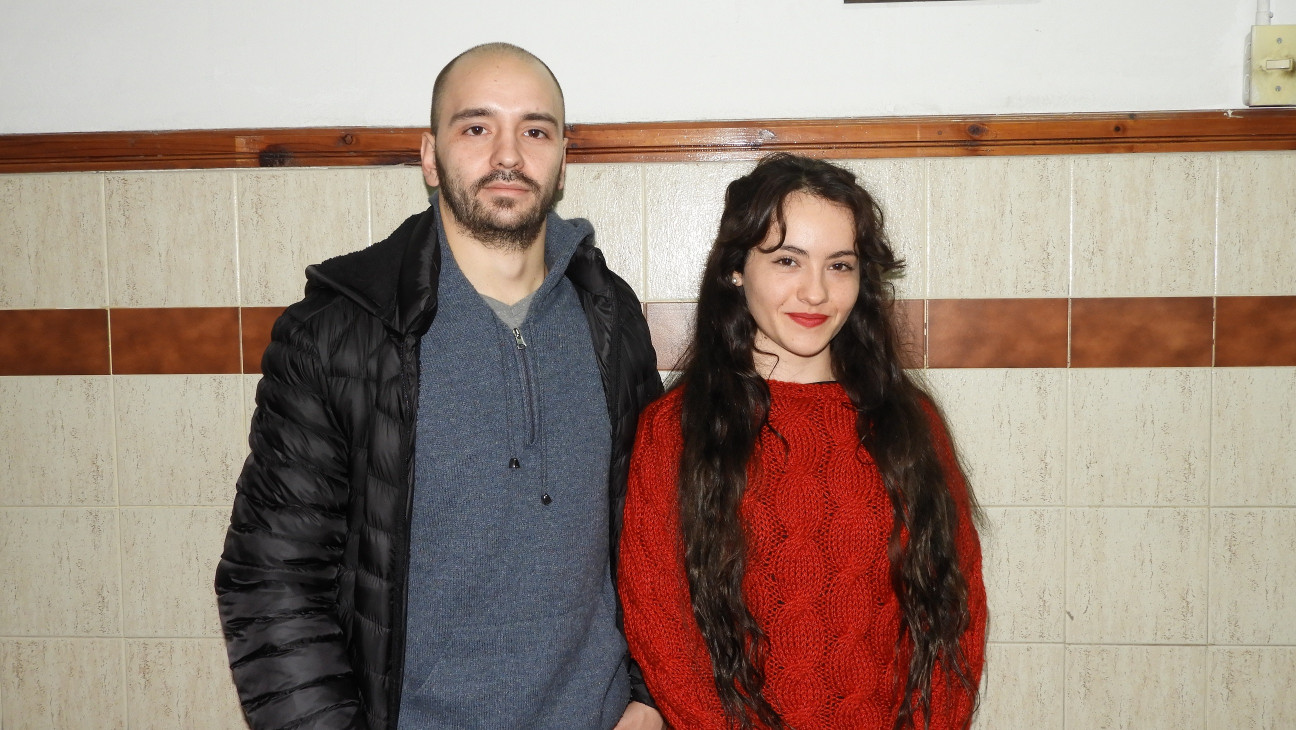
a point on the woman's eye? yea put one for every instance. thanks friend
(785, 261)
(842, 266)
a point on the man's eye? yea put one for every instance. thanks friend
(476, 129)
(537, 133)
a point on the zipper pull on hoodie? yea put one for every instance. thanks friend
(517, 337)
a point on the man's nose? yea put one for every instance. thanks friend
(506, 153)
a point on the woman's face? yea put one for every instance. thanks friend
(801, 293)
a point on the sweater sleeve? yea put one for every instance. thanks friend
(952, 705)
(276, 582)
(659, 625)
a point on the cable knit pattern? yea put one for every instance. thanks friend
(817, 581)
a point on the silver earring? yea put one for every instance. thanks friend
(734, 280)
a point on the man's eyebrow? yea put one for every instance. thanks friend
(471, 114)
(478, 112)
(541, 117)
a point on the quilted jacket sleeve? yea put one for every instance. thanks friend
(276, 582)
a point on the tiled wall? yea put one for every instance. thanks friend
(1140, 495)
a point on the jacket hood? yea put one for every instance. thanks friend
(395, 279)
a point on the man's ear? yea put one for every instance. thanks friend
(562, 171)
(427, 157)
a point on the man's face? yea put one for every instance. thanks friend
(497, 154)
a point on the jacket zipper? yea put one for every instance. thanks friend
(409, 391)
(528, 386)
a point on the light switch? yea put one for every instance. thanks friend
(1271, 70)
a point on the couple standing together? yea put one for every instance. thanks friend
(469, 505)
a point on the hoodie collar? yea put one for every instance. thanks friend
(396, 279)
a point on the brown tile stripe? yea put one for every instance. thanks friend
(997, 333)
(54, 342)
(175, 340)
(257, 322)
(910, 320)
(1141, 332)
(961, 333)
(1255, 331)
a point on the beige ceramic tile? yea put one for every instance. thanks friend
(1257, 224)
(1023, 552)
(999, 227)
(1010, 429)
(290, 219)
(1253, 576)
(395, 193)
(1136, 576)
(169, 559)
(1251, 688)
(180, 438)
(611, 196)
(682, 206)
(1022, 687)
(1139, 437)
(1144, 225)
(59, 572)
(58, 441)
(180, 683)
(899, 188)
(171, 240)
(52, 241)
(1135, 687)
(62, 684)
(1254, 431)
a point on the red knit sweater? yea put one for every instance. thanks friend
(817, 580)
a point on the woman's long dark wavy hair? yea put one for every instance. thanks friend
(725, 404)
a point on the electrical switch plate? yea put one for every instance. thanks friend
(1271, 66)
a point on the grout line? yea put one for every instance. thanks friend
(1066, 529)
(1070, 287)
(103, 241)
(1066, 439)
(1216, 277)
(643, 229)
(238, 242)
(116, 458)
(927, 263)
(238, 284)
(121, 614)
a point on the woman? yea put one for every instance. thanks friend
(799, 547)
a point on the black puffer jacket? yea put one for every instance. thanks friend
(311, 586)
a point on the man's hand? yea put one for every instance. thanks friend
(639, 716)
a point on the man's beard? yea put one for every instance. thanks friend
(481, 220)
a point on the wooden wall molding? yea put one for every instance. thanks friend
(1040, 134)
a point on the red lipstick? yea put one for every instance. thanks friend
(808, 320)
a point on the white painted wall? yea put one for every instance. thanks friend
(78, 65)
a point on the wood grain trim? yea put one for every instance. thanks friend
(206, 149)
(1038, 134)
(1204, 131)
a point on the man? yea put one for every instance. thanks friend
(424, 533)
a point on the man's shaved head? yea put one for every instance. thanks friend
(488, 49)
